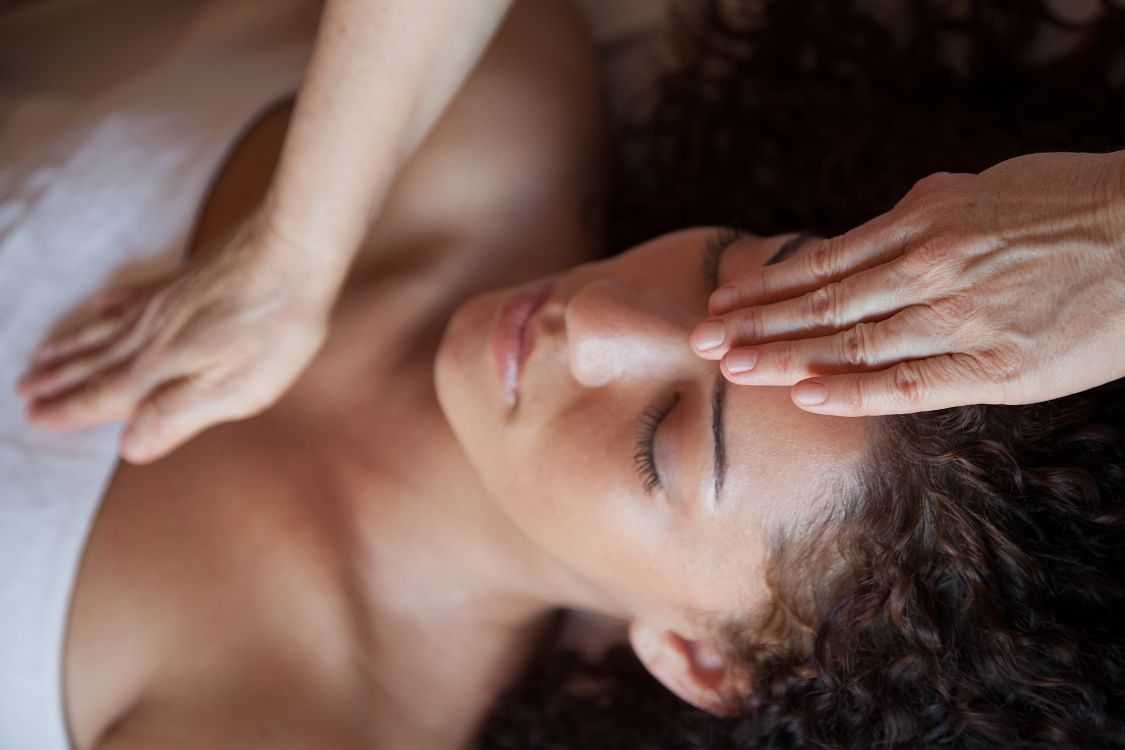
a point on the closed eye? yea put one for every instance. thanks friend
(644, 451)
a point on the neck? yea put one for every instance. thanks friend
(433, 545)
(449, 597)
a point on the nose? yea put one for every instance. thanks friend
(615, 332)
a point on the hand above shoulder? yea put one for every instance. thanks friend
(1006, 287)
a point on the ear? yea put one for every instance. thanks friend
(695, 670)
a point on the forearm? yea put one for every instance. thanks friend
(382, 74)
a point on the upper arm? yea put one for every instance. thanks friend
(520, 154)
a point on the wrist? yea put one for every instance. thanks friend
(313, 265)
(259, 267)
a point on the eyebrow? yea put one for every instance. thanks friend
(712, 258)
(790, 247)
(718, 401)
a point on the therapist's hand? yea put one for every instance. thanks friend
(1006, 287)
(220, 340)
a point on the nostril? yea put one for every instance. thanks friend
(552, 314)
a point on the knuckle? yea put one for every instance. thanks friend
(857, 346)
(929, 265)
(1000, 364)
(916, 318)
(907, 383)
(933, 181)
(749, 324)
(823, 262)
(930, 186)
(784, 356)
(823, 305)
(953, 312)
(932, 253)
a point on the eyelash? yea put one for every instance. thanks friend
(644, 457)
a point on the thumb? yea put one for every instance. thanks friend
(169, 416)
(917, 385)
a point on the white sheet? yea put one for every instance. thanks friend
(113, 118)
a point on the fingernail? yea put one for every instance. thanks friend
(723, 298)
(810, 394)
(741, 361)
(709, 335)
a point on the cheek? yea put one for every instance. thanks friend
(565, 470)
(571, 488)
(724, 566)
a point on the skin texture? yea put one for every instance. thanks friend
(171, 358)
(345, 575)
(342, 570)
(609, 343)
(275, 564)
(673, 559)
(939, 302)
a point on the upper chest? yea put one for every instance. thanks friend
(196, 562)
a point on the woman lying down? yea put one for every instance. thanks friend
(500, 427)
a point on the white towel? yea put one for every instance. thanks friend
(114, 116)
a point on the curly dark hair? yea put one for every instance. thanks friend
(976, 592)
(817, 115)
(981, 602)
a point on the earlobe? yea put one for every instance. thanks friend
(695, 670)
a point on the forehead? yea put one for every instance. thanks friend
(781, 458)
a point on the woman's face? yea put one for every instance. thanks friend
(625, 456)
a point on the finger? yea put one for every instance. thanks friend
(819, 262)
(167, 418)
(111, 298)
(108, 397)
(126, 294)
(874, 293)
(917, 385)
(864, 346)
(48, 380)
(92, 335)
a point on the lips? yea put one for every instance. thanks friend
(513, 339)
